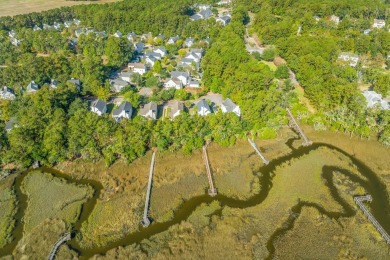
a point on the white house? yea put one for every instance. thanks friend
(353, 59)
(379, 23)
(374, 98)
(192, 56)
(173, 83)
(7, 93)
(67, 24)
(10, 124)
(228, 106)
(99, 107)
(160, 50)
(118, 34)
(32, 87)
(57, 26)
(173, 40)
(149, 111)
(125, 110)
(224, 20)
(189, 42)
(150, 60)
(126, 75)
(76, 22)
(183, 76)
(160, 36)
(335, 19)
(177, 108)
(366, 32)
(203, 108)
(137, 68)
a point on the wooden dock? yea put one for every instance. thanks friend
(212, 189)
(253, 144)
(293, 124)
(359, 201)
(145, 220)
(63, 239)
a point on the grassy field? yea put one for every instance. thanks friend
(15, 7)
(52, 198)
(7, 211)
(244, 233)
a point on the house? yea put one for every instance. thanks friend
(99, 107)
(118, 34)
(224, 20)
(352, 58)
(379, 23)
(75, 82)
(153, 54)
(32, 87)
(101, 34)
(203, 108)
(46, 27)
(37, 28)
(366, 32)
(188, 62)
(194, 84)
(118, 84)
(192, 56)
(139, 47)
(224, 2)
(73, 42)
(183, 76)
(206, 13)
(15, 41)
(76, 22)
(54, 83)
(189, 42)
(149, 110)
(173, 40)
(173, 83)
(207, 41)
(57, 26)
(335, 19)
(7, 93)
(10, 124)
(139, 68)
(12, 34)
(68, 24)
(177, 108)
(146, 36)
(228, 106)
(202, 7)
(131, 36)
(88, 31)
(374, 99)
(196, 17)
(79, 32)
(160, 36)
(125, 110)
(160, 50)
(126, 75)
(150, 60)
(197, 52)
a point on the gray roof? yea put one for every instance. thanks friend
(176, 74)
(202, 103)
(119, 82)
(99, 104)
(10, 124)
(176, 106)
(148, 107)
(32, 86)
(125, 106)
(229, 105)
(75, 82)
(206, 13)
(54, 83)
(174, 39)
(196, 17)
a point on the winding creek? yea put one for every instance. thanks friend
(380, 206)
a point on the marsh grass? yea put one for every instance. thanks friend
(8, 209)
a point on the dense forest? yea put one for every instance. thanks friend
(56, 125)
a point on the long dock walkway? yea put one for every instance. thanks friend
(293, 124)
(253, 144)
(359, 201)
(145, 220)
(212, 189)
(63, 239)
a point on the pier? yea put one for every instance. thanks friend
(63, 239)
(145, 220)
(212, 189)
(293, 124)
(359, 201)
(253, 144)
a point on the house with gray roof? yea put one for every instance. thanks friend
(173, 40)
(118, 34)
(79, 32)
(12, 34)
(10, 124)
(160, 50)
(68, 24)
(149, 110)
(54, 83)
(32, 87)
(203, 108)
(177, 108)
(57, 26)
(183, 76)
(126, 75)
(189, 42)
(7, 93)
(98, 107)
(146, 36)
(194, 84)
(150, 60)
(36, 28)
(76, 21)
(206, 13)
(118, 84)
(193, 56)
(375, 99)
(46, 27)
(228, 106)
(139, 47)
(131, 36)
(139, 68)
(125, 110)
(160, 36)
(196, 17)
(75, 82)
(173, 83)
(224, 20)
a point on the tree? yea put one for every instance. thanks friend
(382, 84)
(269, 54)
(282, 72)
(157, 67)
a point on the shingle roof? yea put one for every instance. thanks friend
(125, 106)
(176, 74)
(229, 105)
(99, 104)
(202, 104)
(176, 106)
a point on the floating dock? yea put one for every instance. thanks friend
(63, 239)
(145, 220)
(293, 124)
(253, 144)
(212, 189)
(359, 201)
